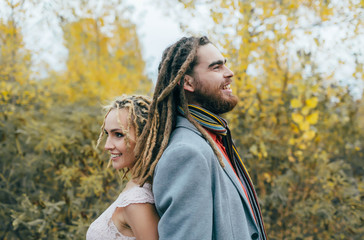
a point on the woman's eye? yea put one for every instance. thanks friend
(119, 135)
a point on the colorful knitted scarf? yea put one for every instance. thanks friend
(218, 125)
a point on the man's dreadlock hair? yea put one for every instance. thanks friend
(138, 108)
(178, 60)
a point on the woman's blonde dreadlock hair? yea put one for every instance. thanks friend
(177, 60)
(138, 108)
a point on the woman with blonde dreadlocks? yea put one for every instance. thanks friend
(132, 215)
(201, 187)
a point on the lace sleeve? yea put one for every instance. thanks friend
(136, 195)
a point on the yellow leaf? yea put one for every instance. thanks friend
(298, 153)
(267, 177)
(305, 110)
(294, 127)
(313, 118)
(296, 103)
(297, 118)
(302, 146)
(251, 112)
(263, 150)
(253, 149)
(309, 135)
(304, 125)
(273, 119)
(312, 102)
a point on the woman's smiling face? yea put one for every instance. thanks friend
(122, 154)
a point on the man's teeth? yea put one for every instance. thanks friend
(226, 87)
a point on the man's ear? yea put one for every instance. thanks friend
(188, 83)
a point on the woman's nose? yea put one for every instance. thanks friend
(108, 145)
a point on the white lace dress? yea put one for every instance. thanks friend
(104, 228)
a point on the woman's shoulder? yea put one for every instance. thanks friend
(133, 193)
(129, 185)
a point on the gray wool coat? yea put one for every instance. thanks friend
(195, 197)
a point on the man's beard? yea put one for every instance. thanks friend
(214, 101)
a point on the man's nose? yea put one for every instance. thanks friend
(228, 73)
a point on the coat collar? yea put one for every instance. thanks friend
(183, 122)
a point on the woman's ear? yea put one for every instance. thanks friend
(188, 83)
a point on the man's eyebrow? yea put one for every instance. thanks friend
(218, 62)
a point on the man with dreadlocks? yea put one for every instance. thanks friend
(201, 187)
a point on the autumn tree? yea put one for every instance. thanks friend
(99, 65)
(54, 181)
(20, 97)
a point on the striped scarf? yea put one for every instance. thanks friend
(219, 126)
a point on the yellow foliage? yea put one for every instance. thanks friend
(267, 177)
(254, 149)
(302, 146)
(297, 118)
(263, 149)
(14, 59)
(312, 102)
(298, 153)
(251, 112)
(309, 135)
(99, 66)
(296, 103)
(304, 125)
(305, 110)
(273, 119)
(291, 159)
(313, 117)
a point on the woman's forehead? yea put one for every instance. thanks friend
(116, 117)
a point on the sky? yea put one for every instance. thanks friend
(157, 31)
(42, 33)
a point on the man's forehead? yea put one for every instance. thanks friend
(208, 54)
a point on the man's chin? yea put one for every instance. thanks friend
(227, 107)
(228, 104)
(223, 106)
(217, 104)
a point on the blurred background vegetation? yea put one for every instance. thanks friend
(300, 131)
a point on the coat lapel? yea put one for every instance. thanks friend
(231, 174)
